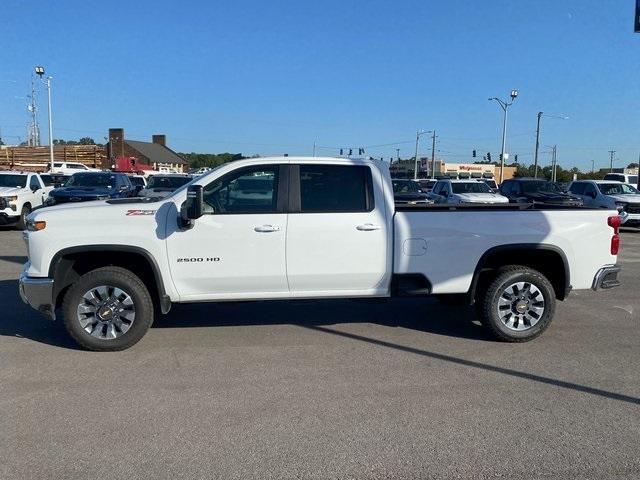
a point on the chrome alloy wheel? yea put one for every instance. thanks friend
(106, 312)
(520, 306)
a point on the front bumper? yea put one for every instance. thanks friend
(6, 219)
(38, 293)
(607, 277)
(629, 218)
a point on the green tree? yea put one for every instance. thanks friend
(197, 160)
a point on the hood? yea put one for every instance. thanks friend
(553, 197)
(410, 196)
(481, 197)
(10, 191)
(629, 198)
(82, 191)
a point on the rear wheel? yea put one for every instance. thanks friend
(518, 305)
(108, 309)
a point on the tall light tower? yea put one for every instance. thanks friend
(40, 72)
(505, 106)
(33, 132)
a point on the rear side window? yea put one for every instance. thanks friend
(577, 188)
(614, 176)
(335, 188)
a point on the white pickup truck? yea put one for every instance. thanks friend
(274, 228)
(20, 192)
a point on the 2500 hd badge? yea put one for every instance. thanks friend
(199, 259)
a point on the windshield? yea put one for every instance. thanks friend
(470, 187)
(617, 189)
(19, 181)
(54, 180)
(92, 180)
(405, 186)
(169, 183)
(534, 187)
(137, 181)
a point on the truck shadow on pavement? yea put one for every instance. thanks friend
(19, 320)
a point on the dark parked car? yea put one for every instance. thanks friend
(408, 192)
(426, 184)
(160, 186)
(537, 190)
(85, 186)
(54, 179)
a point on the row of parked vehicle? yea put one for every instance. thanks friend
(22, 192)
(609, 193)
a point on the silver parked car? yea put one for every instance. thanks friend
(608, 194)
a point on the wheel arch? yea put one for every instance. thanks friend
(70, 263)
(549, 260)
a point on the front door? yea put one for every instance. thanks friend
(237, 248)
(337, 232)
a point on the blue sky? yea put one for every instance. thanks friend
(273, 77)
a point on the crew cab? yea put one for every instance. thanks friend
(20, 192)
(325, 228)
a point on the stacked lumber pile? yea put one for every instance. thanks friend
(36, 159)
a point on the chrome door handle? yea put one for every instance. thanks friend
(368, 227)
(267, 228)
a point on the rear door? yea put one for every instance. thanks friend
(337, 231)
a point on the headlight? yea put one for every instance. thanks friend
(36, 226)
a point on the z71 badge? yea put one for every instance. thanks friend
(140, 212)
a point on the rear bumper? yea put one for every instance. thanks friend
(607, 277)
(38, 293)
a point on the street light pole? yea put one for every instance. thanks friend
(505, 106)
(433, 155)
(535, 158)
(40, 71)
(418, 133)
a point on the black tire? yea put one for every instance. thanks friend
(489, 304)
(118, 278)
(22, 223)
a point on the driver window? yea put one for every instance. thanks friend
(245, 191)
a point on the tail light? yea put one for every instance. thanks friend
(614, 222)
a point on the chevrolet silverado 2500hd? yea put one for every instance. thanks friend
(288, 227)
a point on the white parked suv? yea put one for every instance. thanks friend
(69, 168)
(466, 191)
(609, 194)
(622, 177)
(316, 228)
(20, 193)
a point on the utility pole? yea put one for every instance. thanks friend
(535, 159)
(611, 152)
(398, 154)
(554, 163)
(433, 155)
(314, 149)
(40, 72)
(593, 166)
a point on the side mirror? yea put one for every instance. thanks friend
(194, 202)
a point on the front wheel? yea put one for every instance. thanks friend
(22, 222)
(518, 305)
(108, 309)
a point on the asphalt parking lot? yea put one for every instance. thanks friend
(331, 389)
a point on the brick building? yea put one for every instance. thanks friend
(154, 153)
